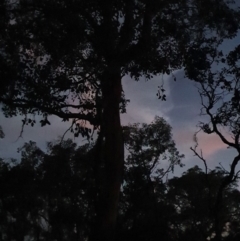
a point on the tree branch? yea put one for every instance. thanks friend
(88, 117)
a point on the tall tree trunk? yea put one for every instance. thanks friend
(113, 159)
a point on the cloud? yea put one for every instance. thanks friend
(41, 135)
(181, 110)
(185, 100)
(223, 158)
(210, 144)
(184, 117)
(144, 104)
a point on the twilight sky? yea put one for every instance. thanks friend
(181, 110)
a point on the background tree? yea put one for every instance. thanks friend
(19, 201)
(193, 196)
(67, 58)
(49, 195)
(54, 198)
(63, 200)
(143, 211)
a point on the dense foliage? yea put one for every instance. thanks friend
(53, 195)
(67, 58)
(58, 57)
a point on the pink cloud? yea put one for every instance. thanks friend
(208, 144)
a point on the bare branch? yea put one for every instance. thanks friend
(200, 156)
(22, 129)
(67, 131)
(211, 101)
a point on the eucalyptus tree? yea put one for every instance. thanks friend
(219, 91)
(68, 57)
(150, 155)
(193, 196)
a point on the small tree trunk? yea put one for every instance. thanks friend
(113, 160)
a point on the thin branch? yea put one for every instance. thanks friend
(154, 164)
(208, 111)
(67, 131)
(52, 111)
(223, 168)
(21, 132)
(200, 156)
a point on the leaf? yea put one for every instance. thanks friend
(2, 135)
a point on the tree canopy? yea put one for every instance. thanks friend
(56, 57)
(51, 196)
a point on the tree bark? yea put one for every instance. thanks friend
(113, 155)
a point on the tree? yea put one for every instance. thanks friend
(219, 92)
(62, 186)
(19, 201)
(54, 198)
(68, 184)
(143, 212)
(193, 196)
(67, 58)
(48, 196)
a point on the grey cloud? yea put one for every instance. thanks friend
(144, 104)
(224, 157)
(186, 101)
(41, 135)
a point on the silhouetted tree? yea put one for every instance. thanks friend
(67, 58)
(220, 104)
(53, 199)
(144, 212)
(48, 195)
(193, 196)
(63, 188)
